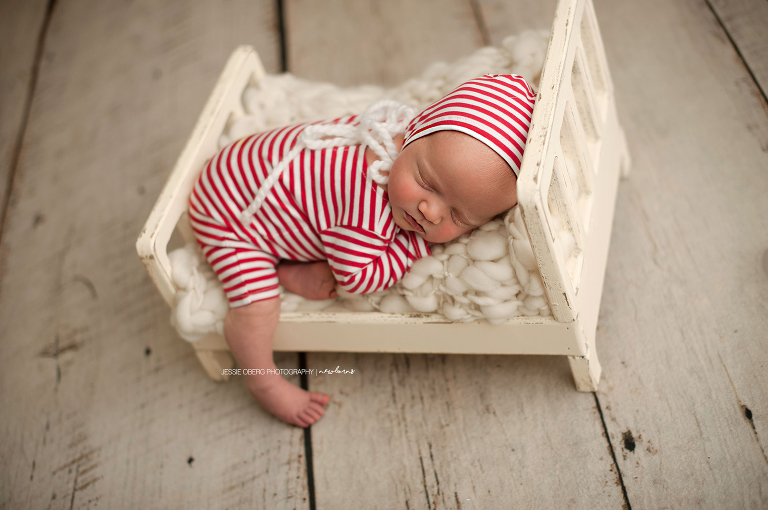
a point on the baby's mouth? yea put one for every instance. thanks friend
(414, 223)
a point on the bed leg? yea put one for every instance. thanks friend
(214, 362)
(586, 371)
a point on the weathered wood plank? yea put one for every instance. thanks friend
(374, 41)
(746, 22)
(435, 431)
(20, 25)
(684, 314)
(103, 405)
(681, 362)
(681, 334)
(504, 19)
(447, 431)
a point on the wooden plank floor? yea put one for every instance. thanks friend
(104, 407)
(22, 23)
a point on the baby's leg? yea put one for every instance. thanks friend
(312, 280)
(249, 330)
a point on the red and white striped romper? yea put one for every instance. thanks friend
(324, 206)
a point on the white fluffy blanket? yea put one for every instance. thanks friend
(489, 274)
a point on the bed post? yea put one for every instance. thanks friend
(586, 370)
(214, 363)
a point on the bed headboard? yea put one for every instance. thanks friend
(572, 135)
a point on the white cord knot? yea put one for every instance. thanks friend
(375, 128)
(377, 125)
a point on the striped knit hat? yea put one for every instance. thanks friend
(494, 109)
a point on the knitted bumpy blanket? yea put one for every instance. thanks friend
(489, 274)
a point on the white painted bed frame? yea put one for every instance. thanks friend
(575, 146)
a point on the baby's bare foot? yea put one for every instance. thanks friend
(312, 280)
(289, 403)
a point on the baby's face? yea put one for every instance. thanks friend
(447, 183)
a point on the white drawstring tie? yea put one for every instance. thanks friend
(375, 128)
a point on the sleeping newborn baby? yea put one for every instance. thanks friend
(351, 203)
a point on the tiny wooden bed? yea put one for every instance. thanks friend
(569, 176)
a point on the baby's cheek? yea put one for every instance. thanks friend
(400, 191)
(449, 232)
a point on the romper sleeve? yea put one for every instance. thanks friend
(363, 261)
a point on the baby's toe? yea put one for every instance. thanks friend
(319, 397)
(300, 421)
(314, 406)
(306, 417)
(313, 414)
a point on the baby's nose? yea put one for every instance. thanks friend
(430, 212)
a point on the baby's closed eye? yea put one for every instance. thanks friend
(463, 222)
(457, 220)
(423, 183)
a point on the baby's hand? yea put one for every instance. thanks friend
(312, 280)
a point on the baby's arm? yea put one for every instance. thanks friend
(364, 262)
(312, 280)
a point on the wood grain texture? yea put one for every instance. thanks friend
(373, 41)
(20, 25)
(103, 405)
(746, 22)
(468, 432)
(506, 18)
(684, 348)
(681, 330)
